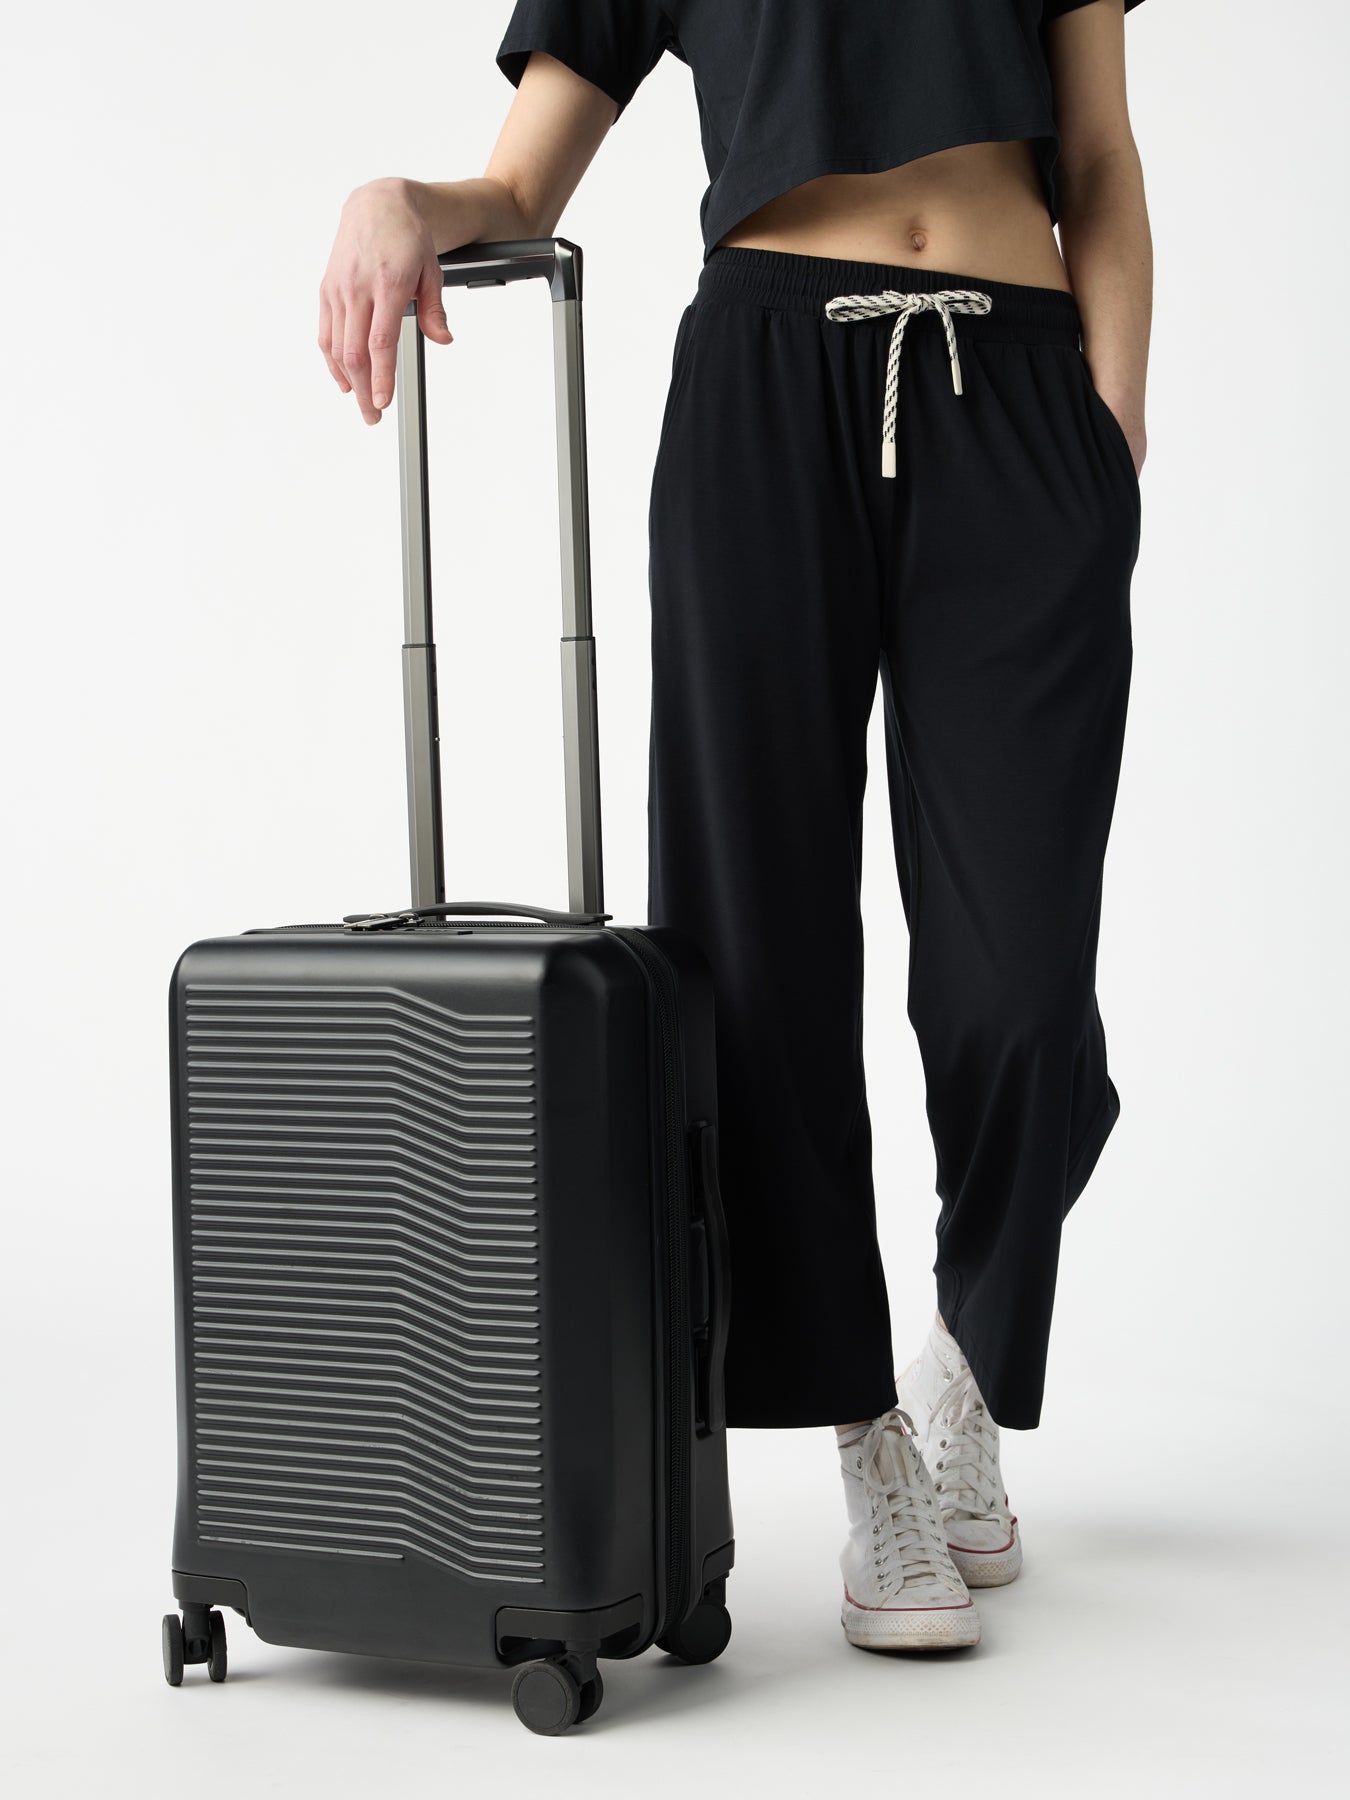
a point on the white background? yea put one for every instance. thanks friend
(202, 733)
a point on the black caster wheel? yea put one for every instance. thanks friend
(215, 1655)
(547, 1697)
(702, 1637)
(592, 1693)
(171, 1634)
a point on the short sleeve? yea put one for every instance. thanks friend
(1052, 9)
(613, 43)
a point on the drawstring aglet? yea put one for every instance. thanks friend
(956, 376)
(888, 461)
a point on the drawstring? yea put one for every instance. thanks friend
(945, 302)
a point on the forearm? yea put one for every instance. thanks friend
(480, 210)
(1108, 251)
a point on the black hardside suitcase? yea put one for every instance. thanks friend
(450, 1263)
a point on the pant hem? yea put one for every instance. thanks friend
(791, 1418)
(1006, 1417)
(1006, 1414)
(883, 1398)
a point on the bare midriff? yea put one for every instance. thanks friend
(975, 210)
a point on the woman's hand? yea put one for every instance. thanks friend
(385, 252)
(382, 257)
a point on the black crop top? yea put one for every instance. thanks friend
(791, 89)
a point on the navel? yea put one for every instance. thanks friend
(919, 240)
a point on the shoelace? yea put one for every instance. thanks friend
(944, 301)
(908, 1541)
(963, 1448)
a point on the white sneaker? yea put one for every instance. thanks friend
(960, 1445)
(901, 1591)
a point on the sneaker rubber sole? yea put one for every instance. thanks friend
(989, 1568)
(909, 1628)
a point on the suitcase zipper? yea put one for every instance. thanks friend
(255, 930)
(678, 1345)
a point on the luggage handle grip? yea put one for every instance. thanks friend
(711, 1226)
(459, 908)
(493, 264)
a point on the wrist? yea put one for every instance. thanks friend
(473, 211)
(385, 190)
(1129, 411)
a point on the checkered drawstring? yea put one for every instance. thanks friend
(945, 302)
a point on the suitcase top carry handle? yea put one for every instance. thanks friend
(493, 265)
(463, 908)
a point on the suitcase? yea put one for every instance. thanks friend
(451, 1268)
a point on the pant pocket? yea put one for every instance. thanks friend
(1111, 425)
(680, 359)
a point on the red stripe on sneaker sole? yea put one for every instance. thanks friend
(1001, 1552)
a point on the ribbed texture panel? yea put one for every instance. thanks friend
(364, 1301)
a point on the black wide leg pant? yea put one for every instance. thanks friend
(987, 585)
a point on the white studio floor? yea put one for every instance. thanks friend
(1145, 1650)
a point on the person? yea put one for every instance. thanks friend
(901, 443)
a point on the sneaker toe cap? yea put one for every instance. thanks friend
(988, 1536)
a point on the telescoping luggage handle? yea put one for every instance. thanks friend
(493, 265)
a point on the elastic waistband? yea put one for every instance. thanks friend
(792, 282)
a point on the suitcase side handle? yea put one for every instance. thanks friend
(557, 261)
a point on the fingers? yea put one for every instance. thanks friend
(359, 332)
(385, 325)
(430, 310)
(356, 354)
(328, 337)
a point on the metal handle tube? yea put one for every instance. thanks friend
(421, 726)
(492, 265)
(581, 726)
